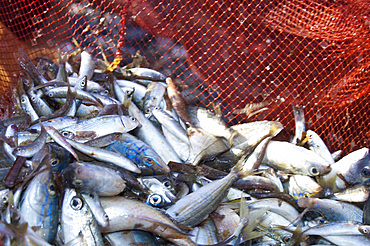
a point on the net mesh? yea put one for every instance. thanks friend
(236, 57)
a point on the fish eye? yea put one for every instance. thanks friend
(23, 100)
(365, 172)
(132, 118)
(364, 229)
(50, 94)
(33, 98)
(51, 189)
(5, 199)
(106, 216)
(306, 195)
(156, 107)
(314, 171)
(167, 184)
(322, 221)
(149, 161)
(54, 162)
(91, 195)
(76, 203)
(155, 200)
(147, 111)
(77, 182)
(67, 134)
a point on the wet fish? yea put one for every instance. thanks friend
(77, 221)
(90, 178)
(127, 214)
(295, 159)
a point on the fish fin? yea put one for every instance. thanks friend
(246, 166)
(231, 138)
(181, 235)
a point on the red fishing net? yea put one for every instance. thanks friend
(225, 55)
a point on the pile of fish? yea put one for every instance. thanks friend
(93, 157)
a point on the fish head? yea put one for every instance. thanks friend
(318, 168)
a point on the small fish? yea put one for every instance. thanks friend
(352, 169)
(172, 125)
(195, 207)
(99, 126)
(93, 201)
(149, 162)
(178, 102)
(105, 155)
(39, 205)
(357, 193)
(300, 124)
(317, 145)
(332, 210)
(32, 148)
(295, 159)
(87, 65)
(27, 107)
(77, 220)
(91, 178)
(202, 118)
(159, 195)
(154, 96)
(55, 135)
(152, 136)
(303, 186)
(128, 214)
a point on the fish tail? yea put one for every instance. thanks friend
(231, 138)
(275, 129)
(248, 164)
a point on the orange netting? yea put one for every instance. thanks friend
(225, 55)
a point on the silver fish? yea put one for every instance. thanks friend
(105, 155)
(87, 65)
(317, 145)
(332, 210)
(295, 159)
(90, 178)
(99, 126)
(127, 214)
(39, 205)
(151, 135)
(352, 169)
(32, 148)
(93, 201)
(159, 194)
(78, 221)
